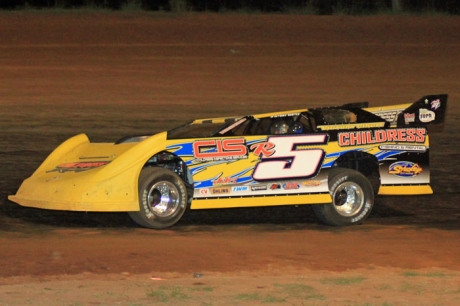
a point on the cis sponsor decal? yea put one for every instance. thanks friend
(220, 149)
(229, 149)
(258, 187)
(291, 185)
(357, 138)
(426, 115)
(225, 181)
(220, 190)
(275, 186)
(405, 169)
(240, 188)
(78, 166)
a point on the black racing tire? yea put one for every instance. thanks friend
(352, 199)
(163, 198)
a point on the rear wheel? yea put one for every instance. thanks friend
(352, 199)
(163, 198)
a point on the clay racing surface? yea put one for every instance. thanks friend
(111, 75)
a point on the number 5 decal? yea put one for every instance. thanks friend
(288, 161)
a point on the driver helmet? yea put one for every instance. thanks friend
(296, 128)
(279, 127)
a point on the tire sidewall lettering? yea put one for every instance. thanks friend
(363, 213)
(148, 213)
(181, 186)
(337, 183)
(366, 208)
(329, 214)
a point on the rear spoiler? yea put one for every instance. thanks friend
(429, 112)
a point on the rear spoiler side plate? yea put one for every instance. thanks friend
(429, 111)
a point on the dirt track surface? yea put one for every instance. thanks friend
(111, 75)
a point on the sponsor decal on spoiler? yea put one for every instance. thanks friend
(426, 115)
(78, 166)
(405, 169)
(436, 104)
(389, 116)
(408, 118)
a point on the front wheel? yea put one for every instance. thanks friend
(163, 198)
(352, 199)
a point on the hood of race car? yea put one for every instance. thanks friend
(85, 176)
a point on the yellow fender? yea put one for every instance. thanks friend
(111, 187)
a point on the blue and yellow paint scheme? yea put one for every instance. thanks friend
(235, 167)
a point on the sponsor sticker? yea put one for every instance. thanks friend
(357, 138)
(291, 185)
(408, 118)
(220, 190)
(264, 149)
(240, 188)
(403, 148)
(312, 183)
(405, 169)
(285, 115)
(275, 186)
(220, 149)
(78, 166)
(204, 191)
(389, 116)
(436, 104)
(426, 115)
(224, 181)
(258, 187)
(350, 126)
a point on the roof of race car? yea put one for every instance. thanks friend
(257, 116)
(361, 105)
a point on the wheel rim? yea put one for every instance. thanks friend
(348, 199)
(163, 199)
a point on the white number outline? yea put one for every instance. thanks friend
(289, 163)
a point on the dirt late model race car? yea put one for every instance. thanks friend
(336, 158)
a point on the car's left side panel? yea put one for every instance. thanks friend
(255, 170)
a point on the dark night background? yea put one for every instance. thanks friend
(321, 7)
